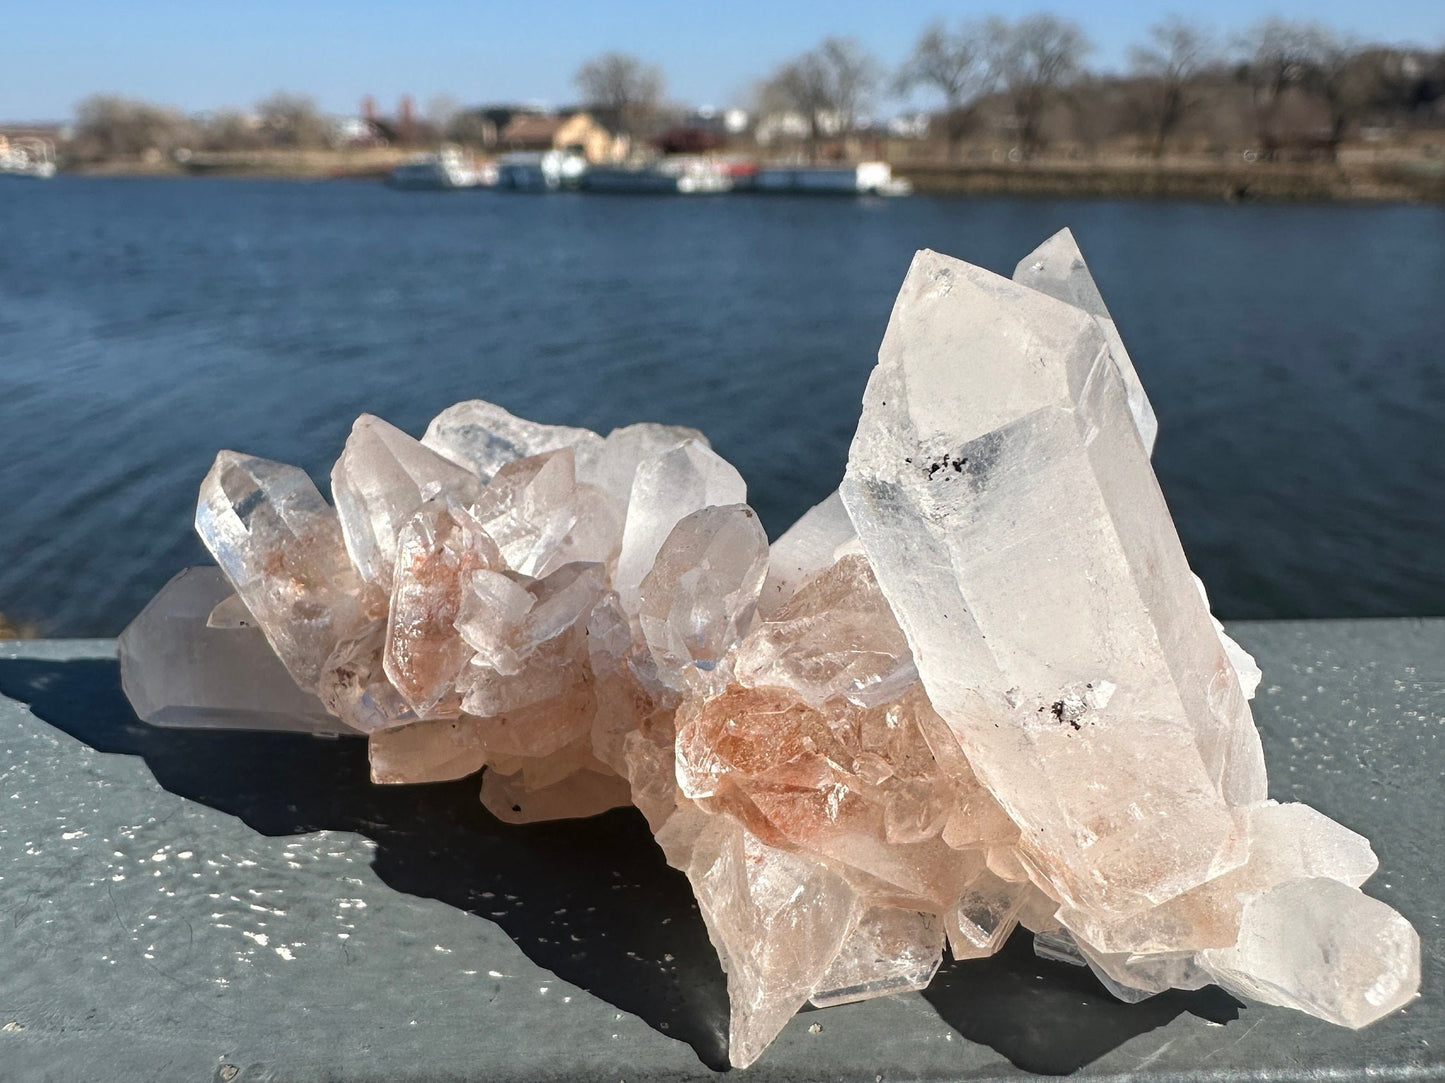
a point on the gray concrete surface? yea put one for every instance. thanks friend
(194, 906)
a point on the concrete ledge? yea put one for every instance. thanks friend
(248, 907)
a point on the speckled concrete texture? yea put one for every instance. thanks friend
(229, 906)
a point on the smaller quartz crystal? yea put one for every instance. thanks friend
(180, 667)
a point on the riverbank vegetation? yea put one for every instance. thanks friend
(1285, 109)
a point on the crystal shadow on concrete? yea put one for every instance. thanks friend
(591, 900)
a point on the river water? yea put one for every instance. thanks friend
(1295, 356)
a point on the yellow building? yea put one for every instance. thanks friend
(578, 131)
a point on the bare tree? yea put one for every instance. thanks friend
(1313, 59)
(108, 126)
(229, 129)
(293, 120)
(795, 93)
(1176, 54)
(1335, 72)
(954, 63)
(1275, 57)
(1035, 58)
(829, 86)
(800, 86)
(852, 76)
(627, 89)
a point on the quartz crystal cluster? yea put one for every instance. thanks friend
(975, 689)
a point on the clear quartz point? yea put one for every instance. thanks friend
(889, 951)
(702, 592)
(777, 920)
(1324, 948)
(280, 545)
(1057, 268)
(667, 488)
(178, 669)
(483, 437)
(958, 479)
(382, 477)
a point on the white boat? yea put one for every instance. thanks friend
(671, 176)
(865, 178)
(442, 171)
(540, 171)
(27, 156)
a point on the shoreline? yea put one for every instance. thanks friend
(1242, 183)
(1418, 182)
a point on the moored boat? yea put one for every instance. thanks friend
(670, 176)
(27, 156)
(864, 178)
(544, 171)
(442, 171)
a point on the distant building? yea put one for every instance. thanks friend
(688, 139)
(373, 129)
(355, 132)
(577, 131)
(736, 121)
(781, 126)
(54, 132)
(909, 126)
(530, 131)
(705, 128)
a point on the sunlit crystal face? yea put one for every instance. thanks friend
(977, 688)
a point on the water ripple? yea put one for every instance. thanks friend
(1293, 355)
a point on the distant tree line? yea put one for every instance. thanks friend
(1306, 84)
(112, 127)
(1280, 86)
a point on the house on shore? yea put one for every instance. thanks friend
(576, 130)
(502, 129)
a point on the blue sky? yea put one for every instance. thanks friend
(201, 54)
